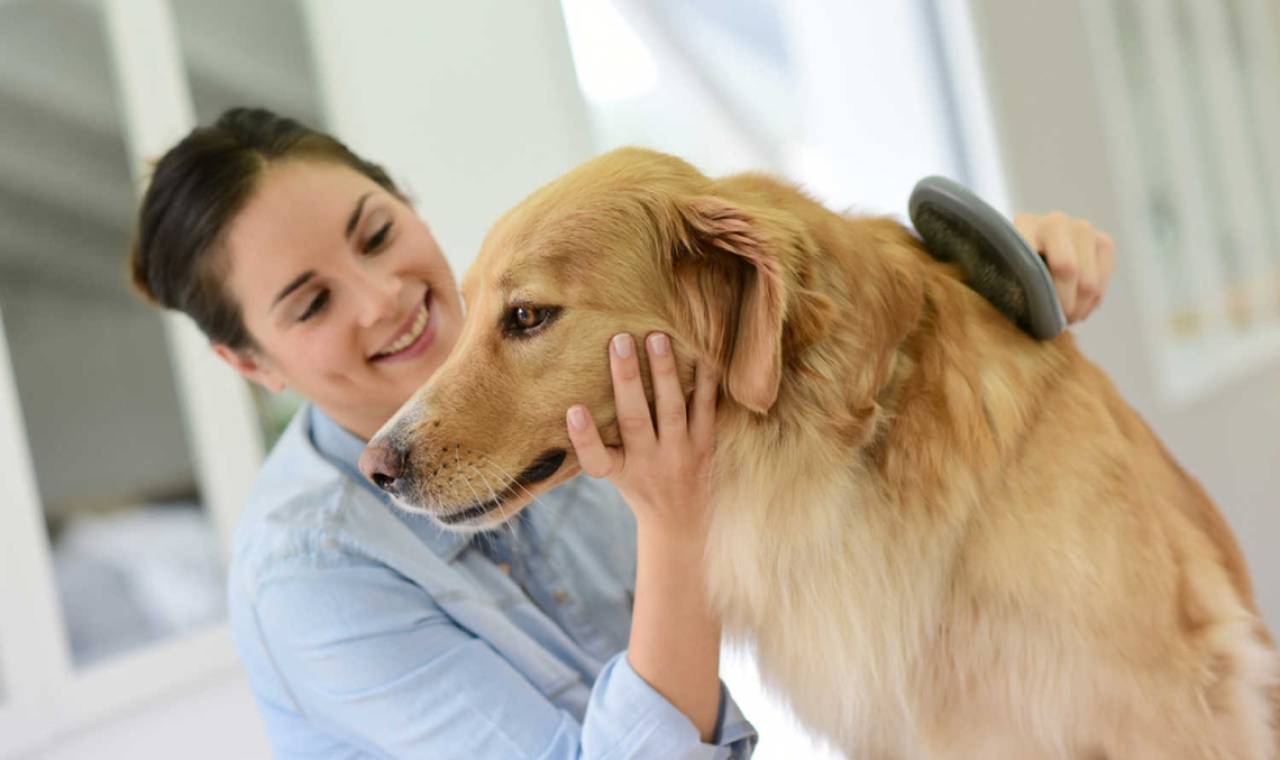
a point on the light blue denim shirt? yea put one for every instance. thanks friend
(369, 632)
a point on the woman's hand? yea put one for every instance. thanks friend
(663, 474)
(664, 477)
(1081, 258)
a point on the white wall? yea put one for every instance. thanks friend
(872, 102)
(471, 105)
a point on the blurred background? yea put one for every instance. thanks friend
(126, 449)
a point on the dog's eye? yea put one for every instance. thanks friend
(525, 319)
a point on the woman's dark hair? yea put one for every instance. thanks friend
(196, 189)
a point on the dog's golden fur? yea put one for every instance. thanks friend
(943, 539)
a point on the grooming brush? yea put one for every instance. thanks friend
(959, 227)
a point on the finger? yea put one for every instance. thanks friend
(702, 406)
(634, 422)
(597, 460)
(1104, 249)
(1107, 249)
(1028, 225)
(668, 399)
(1106, 260)
(1035, 230)
(1085, 242)
(1063, 260)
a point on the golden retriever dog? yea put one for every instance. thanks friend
(942, 538)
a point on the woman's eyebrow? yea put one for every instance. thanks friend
(297, 282)
(301, 279)
(355, 214)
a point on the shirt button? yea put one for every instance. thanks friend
(560, 595)
(505, 568)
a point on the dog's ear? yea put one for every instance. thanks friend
(732, 293)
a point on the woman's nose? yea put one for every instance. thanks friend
(379, 296)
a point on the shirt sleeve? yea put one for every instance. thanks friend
(625, 711)
(370, 658)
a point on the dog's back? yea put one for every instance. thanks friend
(972, 547)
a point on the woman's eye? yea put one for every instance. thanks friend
(317, 304)
(376, 240)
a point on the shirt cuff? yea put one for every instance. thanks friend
(627, 717)
(732, 727)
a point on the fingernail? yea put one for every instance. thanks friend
(623, 345)
(659, 344)
(577, 417)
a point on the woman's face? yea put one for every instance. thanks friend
(344, 290)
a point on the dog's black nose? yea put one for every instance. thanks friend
(383, 464)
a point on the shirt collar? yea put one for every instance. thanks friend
(342, 448)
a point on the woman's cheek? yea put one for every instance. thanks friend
(332, 352)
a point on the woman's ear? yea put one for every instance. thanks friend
(729, 272)
(250, 367)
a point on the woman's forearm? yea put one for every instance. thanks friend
(663, 473)
(675, 638)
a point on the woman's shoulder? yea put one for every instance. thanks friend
(299, 509)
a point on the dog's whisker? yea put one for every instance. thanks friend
(503, 476)
(457, 460)
(509, 525)
(486, 484)
(492, 496)
(514, 481)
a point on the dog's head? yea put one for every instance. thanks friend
(632, 241)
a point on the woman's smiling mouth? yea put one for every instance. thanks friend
(414, 336)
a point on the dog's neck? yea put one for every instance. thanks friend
(905, 407)
(968, 382)
(956, 374)
(858, 444)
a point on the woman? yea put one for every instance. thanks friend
(580, 631)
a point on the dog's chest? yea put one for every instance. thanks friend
(834, 604)
(842, 601)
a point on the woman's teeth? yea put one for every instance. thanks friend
(409, 337)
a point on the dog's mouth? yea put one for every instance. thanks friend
(542, 468)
